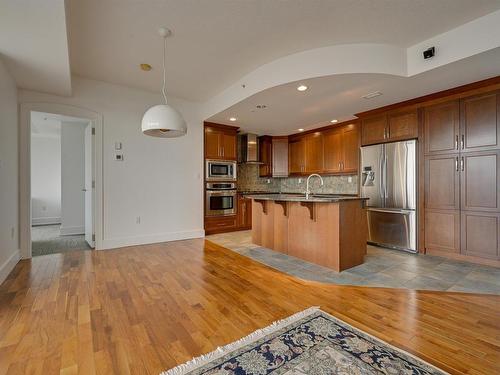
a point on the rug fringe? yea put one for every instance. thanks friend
(197, 362)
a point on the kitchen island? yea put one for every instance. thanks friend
(327, 230)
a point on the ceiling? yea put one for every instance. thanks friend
(34, 44)
(217, 42)
(340, 96)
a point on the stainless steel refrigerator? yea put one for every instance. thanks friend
(389, 179)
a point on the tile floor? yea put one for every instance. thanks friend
(382, 267)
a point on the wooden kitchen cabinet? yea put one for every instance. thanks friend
(441, 181)
(402, 125)
(480, 181)
(480, 123)
(314, 153)
(374, 130)
(220, 142)
(441, 128)
(296, 156)
(279, 163)
(480, 234)
(244, 213)
(341, 150)
(219, 224)
(442, 231)
(273, 154)
(265, 156)
(389, 127)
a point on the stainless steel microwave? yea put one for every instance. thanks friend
(220, 170)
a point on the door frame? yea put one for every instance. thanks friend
(25, 167)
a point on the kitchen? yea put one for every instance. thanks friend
(399, 161)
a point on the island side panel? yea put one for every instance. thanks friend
(314, 240)
(263, 223)
(281, 226)
(353, 234)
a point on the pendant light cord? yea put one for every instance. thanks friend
(163, 90)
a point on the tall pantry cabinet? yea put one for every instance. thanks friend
(462, 177)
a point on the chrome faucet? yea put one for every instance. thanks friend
(308, 192)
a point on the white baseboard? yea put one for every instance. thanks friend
(45, 220)
(113, 243)
(9, 265)
(69, 231)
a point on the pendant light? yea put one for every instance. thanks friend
(162, 120)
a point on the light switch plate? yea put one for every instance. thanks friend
(118, 145)
(119, 157)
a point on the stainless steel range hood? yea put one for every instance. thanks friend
(248, 149)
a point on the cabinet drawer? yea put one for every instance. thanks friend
(220, 223)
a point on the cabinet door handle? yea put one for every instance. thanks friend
(462, 164)
(456, 142)
(388, 132)
(456, 163)
(462, 142)
(340, 165)
(385, 133)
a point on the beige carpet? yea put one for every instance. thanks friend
(46, 239)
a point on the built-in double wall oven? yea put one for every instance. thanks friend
(220, 198)
(220, 170)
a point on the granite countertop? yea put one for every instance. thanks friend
(318, 198)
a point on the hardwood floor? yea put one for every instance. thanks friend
(144, 309)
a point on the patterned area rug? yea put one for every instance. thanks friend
(309, 342)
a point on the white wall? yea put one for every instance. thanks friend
(9, 200)
(72, 178)
(45, 179)
(159, 180)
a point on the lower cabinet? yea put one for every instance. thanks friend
(244, 213)
(442, 231)
(480, 234)
(220, 224)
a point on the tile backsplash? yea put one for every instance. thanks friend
(249, 180)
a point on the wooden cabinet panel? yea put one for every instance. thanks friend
(217, 224)
(373, 130)
(244, 213)
(481, 234)
(220, 143)
(333, 151)
(441, 128)
(296, 156)
(314, 153)
(402, 125)
(280, 157)
(480, 181)
(265, 156)
(442, 189)
(229, 146)
(212, 144)
(442, 231)
(350, 143)
(480, 122)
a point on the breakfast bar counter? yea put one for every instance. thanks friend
(328, 230)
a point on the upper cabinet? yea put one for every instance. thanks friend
(389, 126)
(330, 151)
(480, 125)
(341, 149)
(220, 142)
(273, 154)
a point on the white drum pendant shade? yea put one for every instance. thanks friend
(163, 121)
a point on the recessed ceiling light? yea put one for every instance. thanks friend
(232, 118)
(372, 95)
(146, 67)
(300, 130)
(302, 88)
(334, 121)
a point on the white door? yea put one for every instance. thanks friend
(89, 189)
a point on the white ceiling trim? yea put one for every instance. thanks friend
(473, 38)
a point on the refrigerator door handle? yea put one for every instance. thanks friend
(399, 212)
(385, 175)
(381, 178)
